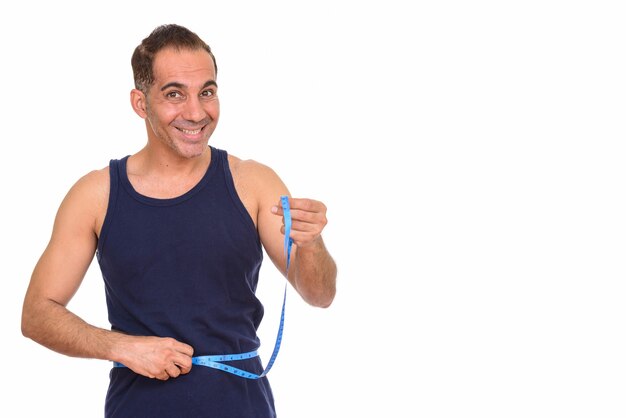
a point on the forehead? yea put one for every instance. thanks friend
(184, 66)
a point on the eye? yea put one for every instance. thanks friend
(207, 93)
(173, 94)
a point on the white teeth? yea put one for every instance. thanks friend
(185, 131)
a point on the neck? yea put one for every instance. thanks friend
(153, 160)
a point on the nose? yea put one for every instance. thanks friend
(194, 111)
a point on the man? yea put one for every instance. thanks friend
(178, 230)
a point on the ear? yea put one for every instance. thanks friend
(139, 103)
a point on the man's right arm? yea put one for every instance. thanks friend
(58, 275)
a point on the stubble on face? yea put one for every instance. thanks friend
(189, 76)
(161, 134)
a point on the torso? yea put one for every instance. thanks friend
(242, 172)
(185, 265)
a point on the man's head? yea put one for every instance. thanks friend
(164, 36)
(176, 90)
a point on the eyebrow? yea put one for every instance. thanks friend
(178, 85)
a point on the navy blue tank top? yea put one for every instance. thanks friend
(185, 268)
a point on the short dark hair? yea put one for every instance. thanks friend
(163, 36)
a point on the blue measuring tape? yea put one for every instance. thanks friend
(215, 361)
(284, 201)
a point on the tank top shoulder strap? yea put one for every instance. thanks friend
(225, 171)
(114, 186)
(220, 158)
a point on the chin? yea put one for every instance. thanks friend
(190, 150)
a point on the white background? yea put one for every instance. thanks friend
(471, 155)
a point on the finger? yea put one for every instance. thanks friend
(184, 369)
(185, 349)
(183, 362)
(172, 370)
(305, 216)
(303, 227)
(303, 237)
(307, 205)
(163, 375)
(176, 346)
(277, 210)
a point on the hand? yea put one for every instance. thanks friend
(308, 219)
(158, 358)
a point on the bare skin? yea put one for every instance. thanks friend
(181, 111)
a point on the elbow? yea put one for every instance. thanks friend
(322, 299)
(324, 305)
(26, 325)
(320, 289)
(29, 315)
(31, 318)
(326, 301)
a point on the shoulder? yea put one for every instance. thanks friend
(251, 171)
(87, 199)
(257, 185)
(93, 184)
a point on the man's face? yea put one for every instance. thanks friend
(182, 104)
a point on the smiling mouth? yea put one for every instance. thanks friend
(190, 132)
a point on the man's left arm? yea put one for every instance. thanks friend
(312, 270)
